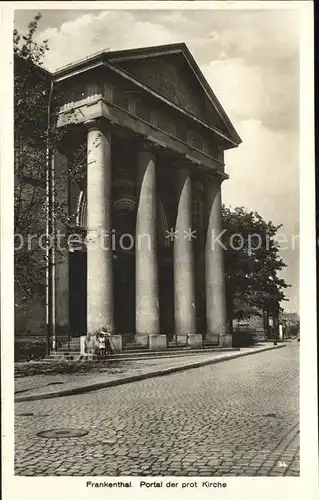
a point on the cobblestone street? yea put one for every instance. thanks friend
(235, 418)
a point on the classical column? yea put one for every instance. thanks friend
(184, 286)
(199, 259)
(214, 266)
(147, 300)
(99, 227)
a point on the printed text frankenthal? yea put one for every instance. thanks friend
(104, 484)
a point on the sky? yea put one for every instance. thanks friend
(251, 60)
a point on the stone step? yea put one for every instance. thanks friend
(170, 352)
(66, 356)
(170, 345)
(174, 345)
(72, 342)
(75, 340)
(65, 350)
(143, 354)
(132, 346)
(74, 345)
(66, 347)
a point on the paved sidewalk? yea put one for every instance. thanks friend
(51, 386)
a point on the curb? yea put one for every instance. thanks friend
(134, 378)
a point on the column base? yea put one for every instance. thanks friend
(116, 343)
(195, 340)
(212, 338)
(180, 339)
(82, 344)
(90, 343)
(153, 342)
(141, 339)
(225, 340)
(157, 342)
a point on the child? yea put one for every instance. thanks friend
(108, 344)
(105, 345)
(101, 344)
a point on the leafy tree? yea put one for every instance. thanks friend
(35, 136)
(252, 264)
(31, 103)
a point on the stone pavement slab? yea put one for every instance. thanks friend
(48, 386)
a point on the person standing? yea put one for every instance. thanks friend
(101, 344)
(108, 344)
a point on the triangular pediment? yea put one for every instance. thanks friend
(172, 71)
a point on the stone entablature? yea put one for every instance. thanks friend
(99, 108)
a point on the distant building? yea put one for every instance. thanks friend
(256, 326)
(291, 323)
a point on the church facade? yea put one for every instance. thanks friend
(146, 200)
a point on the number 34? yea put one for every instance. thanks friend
(282, 464)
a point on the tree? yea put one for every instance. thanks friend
(35, 136)
(31, 98)
(252, 264)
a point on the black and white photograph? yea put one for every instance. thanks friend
(162, 196)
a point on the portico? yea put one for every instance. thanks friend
(150, 196)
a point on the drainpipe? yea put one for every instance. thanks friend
(53, 258)
(50, 251)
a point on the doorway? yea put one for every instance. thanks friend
(124, 293)
(77, 293)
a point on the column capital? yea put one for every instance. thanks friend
(93, 124)
(216, 176)
(186, 161)
(97, 124)
(181, 164)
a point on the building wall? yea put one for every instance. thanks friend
(31, 84)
